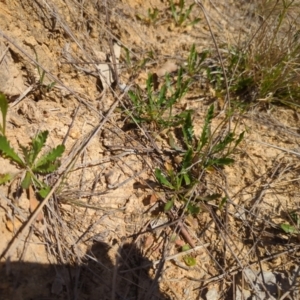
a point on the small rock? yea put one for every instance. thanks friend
(168, 67)
(212, 294)
(112, 177)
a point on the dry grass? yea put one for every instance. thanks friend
(100, 217)
(265, 67)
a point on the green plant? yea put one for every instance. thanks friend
(43, 87)
(3, 109)
(194, 62)
(30, 163)
(200, 154)
(266, 67)
(157, 106)
(189, 260)
(152, 16)
(294, 228)
(181, 13)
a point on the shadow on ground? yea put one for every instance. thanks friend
(97, 278)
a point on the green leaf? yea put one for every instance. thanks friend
(188, 11)
(44, 191)
(47, 167)
(162, 179)
(288, 228)
(188, 129)
(211, 197)
(192, 59)
(187, 160)
(169, 205)
(181, 87)
(37, 144)
(162, 95)
(26, 155)
(195, 21)
(193, 209)
(241, 137)
(222, 144)
(190, 261)
(185, 247)
(47, 164)
(187, 179)
(206, 128)
(3, 108)
(26, 181)
(220, 162)
(149, 85)
(9, 152)
(134, 97)
(173, 10)
(223, 201)
(181, 4)
(295, 217)
(5, 178)
(50, 86)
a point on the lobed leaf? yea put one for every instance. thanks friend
(206, 128)
(44, 191)
(26, 181)
(48, 167)
(26, 154)
(223, 143)
(47, 164)
(9, 152)
(162, 179)
(187, 160)
(188, 129)
(37, 144)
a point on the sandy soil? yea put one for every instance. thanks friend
(95, 240)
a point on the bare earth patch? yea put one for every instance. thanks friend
(104, 233)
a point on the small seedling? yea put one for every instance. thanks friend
(287, 228)
(201, 154)
(152, 16)
(157, 107)
(290, 229)
(43, 87)
(189, 260)
(181, 13)
(31, 165)
(194, 62)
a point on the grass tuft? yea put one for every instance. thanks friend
(266, 66)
